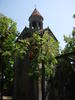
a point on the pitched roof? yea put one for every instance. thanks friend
(36, 13)
(27, 32)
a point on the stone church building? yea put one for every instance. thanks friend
(25, 87)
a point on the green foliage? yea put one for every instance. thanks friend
(10, 48)
(44, 49)
(70, 42)
(21, 47)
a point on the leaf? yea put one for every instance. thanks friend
(6, 53)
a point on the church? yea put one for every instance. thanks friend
(25, 87)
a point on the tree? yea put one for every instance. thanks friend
(10, 48)
(43, 48)
(70, 42)
(70, 47)
(42, 52)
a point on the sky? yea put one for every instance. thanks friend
(57, 14)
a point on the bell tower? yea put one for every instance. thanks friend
(36, 20)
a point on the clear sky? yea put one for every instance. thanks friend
(57, 14)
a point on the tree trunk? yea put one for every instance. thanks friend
(43, 81)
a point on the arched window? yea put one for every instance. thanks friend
(34, 24)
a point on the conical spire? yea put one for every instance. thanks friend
(36, 13)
